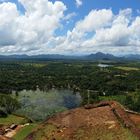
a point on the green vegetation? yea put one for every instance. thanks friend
(119, 98)
(12, 119)
(133, 101)
(94, 83)
(105, 134)
(40, 89)
(74, 75)
(130, 100)
(8, 104)
(91, 97)
(24, 132)
(99, 132)
(128, 68)
(78, 76)
(41, 134)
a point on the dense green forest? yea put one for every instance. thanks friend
(117, 80)
(74, 75)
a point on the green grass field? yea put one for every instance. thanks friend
(24, 132)
(118, 98)
(36, 65)
(127, 68)
(12, 119)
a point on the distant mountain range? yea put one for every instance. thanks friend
(96, 56)
(101, 55)
(133, 56)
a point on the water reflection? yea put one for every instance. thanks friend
(39, 105)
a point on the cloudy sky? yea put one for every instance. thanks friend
(69, 27)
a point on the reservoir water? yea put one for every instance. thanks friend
(39, 105)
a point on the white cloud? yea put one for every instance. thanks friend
(8, 15)
(33, 29)
(94, 20)
(34, 32)
(79, 3)
(109, 33)
(70, 16)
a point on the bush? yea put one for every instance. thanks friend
(8, 104)
(133, 102)
(90, 97)
(3, 114)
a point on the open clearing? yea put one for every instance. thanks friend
(127, 68)
(22, 133)
(12, 119)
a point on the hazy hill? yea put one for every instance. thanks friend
(100, 55)
(96, 56)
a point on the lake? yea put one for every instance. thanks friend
(104, 65)
(39, 105)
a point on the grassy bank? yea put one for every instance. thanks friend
(12, 119)
(24, 132)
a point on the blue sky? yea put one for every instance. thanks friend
(88, 5)
(68, 30)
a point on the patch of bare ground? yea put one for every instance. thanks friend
(8, 131)
(135, 118)
(103, 121)
(4, 138)
(13, 132)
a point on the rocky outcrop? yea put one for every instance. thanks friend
(88, 122)
(120, 113)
